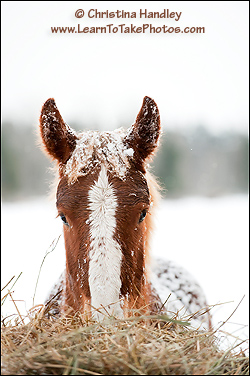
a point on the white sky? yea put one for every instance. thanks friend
(101, 79)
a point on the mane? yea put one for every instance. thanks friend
(155, 194)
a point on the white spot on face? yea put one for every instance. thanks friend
(105, 253)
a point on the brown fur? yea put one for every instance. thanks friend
(72, 201)
(135, 193)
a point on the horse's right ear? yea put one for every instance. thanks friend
(58, 138)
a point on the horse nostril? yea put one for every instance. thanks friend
(142, 215)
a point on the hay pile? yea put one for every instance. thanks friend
(139, 345)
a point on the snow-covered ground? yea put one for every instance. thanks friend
(209, 237)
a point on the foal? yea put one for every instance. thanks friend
(105, 198)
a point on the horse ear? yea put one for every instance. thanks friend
(144, 133)
(58, 138)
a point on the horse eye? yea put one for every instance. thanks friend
(63, 218)
(143, 215)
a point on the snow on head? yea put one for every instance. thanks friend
(94, 149)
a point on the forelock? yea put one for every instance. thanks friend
(94, 149)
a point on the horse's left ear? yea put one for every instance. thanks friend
(144, 134)
(58, 138)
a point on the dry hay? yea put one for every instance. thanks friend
(153, 345)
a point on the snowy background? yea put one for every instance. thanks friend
(100, 80)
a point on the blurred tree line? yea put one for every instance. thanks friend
(192, 163)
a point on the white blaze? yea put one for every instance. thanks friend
(105, 253)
